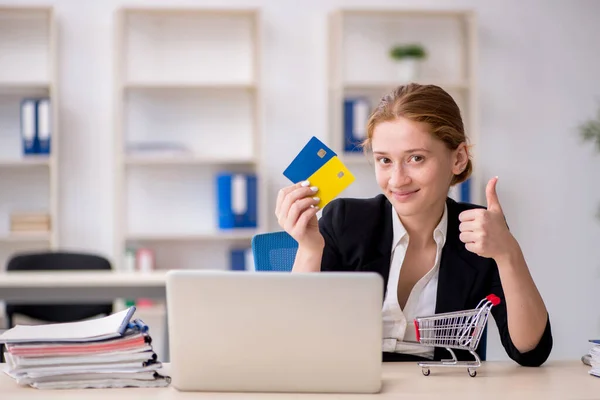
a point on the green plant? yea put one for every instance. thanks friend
(590, 132)
(400, 52)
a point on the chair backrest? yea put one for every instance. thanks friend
(274, 251)
(43, 261)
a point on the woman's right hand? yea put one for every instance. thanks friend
(296, 213)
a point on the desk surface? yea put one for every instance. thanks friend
(67, 279)
(495, 380)
(80, 286)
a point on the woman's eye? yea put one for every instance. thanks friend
(416, 158)
(384, 160)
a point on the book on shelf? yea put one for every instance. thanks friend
(156, 148)
(29, 222)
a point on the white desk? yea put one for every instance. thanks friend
(495, 380)
(80, 286)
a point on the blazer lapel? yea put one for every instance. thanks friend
(456, 275)
(381, 253)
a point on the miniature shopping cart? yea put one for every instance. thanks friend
(455, 330)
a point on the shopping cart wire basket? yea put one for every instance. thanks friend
(455, 330)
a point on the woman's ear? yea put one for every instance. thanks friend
(460, 159)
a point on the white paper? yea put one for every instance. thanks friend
(89, 330)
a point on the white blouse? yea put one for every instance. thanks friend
(398, 325)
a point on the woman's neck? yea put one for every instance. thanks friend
(420, 227)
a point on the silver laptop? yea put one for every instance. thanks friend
(275, 332)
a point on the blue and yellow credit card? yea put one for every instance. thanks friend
(321, 166)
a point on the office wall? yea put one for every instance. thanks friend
(538, 78)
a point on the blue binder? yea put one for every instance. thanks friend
(461, 192)
(240, 259)
(236, 199)
(465, 191)
(29, 126)
(43, 131)
(356, 116)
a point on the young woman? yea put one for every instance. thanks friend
(435, 255)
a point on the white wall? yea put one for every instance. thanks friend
(539, 78)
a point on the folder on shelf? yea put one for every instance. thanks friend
(356, 116)
(237, 200)
(322, 168)
(29, 126)
(461, 192)
(43, 125)
(241, 259)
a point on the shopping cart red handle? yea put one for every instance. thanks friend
(495, 300)
(417, 331)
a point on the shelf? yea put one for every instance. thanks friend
(189, 85)
(185, 160)
(395, 12)
(355, 158)
(25, 237)
(242, 234)
(25, 162)
(25, 88)
(384, 86)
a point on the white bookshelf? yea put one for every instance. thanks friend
(28, 68)
(359, 65)
(189, 77)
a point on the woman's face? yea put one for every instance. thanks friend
(413, 168)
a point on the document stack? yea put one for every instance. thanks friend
(595, 358)
(109, 352)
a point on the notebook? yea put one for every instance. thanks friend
(110, 327)
(321, 166)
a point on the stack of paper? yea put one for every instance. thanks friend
(106, 352)
(595, 358)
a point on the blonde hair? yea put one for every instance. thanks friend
(423, 103)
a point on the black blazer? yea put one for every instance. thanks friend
(358, 236)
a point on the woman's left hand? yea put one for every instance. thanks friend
(485, 232)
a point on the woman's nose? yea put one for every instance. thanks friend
(399, 176)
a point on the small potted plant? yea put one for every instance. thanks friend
(408, 59)
(590, 132)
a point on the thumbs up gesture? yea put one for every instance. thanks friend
(485, 232)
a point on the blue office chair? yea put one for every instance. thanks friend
(276, 251)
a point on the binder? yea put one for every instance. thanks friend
(241, 259)
(236, 199)
(465, 191)
(461, 192)
(43, 125)
(29, 126)
(356, 116)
